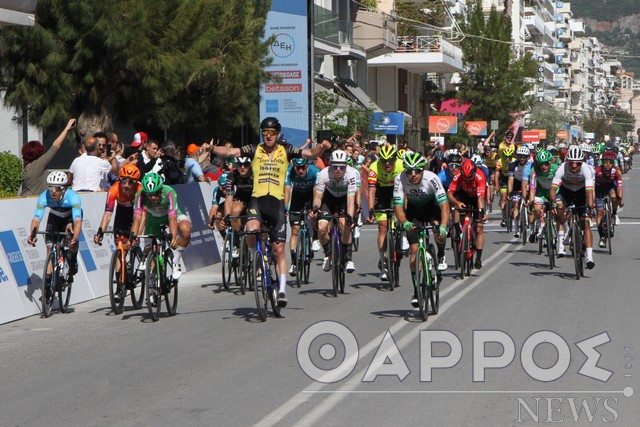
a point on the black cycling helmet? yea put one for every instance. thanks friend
(271, 123)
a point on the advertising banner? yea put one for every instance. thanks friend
(562, 134)
(287, 97)
(476, 128)
(388, 123)
(443, 124)
(530, 136)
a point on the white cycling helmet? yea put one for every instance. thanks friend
(574, 154)
(338, 156)
(477, 160)
(523, 151)
(243, 160)
(586, 148)
(57, 178)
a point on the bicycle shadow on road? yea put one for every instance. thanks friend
(556, 273)
(537, 265)
(325, 292)
(409, 315)
(379, 286)
(235, 290)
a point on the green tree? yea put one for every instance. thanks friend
(615, 123)
(547, 117)
(496, 80)
(10, 174)
(411, 15)
(191, 66)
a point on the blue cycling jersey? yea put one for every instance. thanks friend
(69, 205)
(445, 177)
(301, 185)
(218, 193)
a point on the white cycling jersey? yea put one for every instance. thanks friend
(344, 187)
(584, 178)
(421, 194)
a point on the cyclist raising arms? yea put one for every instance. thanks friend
(336, 192)
(501, 180)
(382, 174)
(426, 202)
(298, 193)
(270, 161)
(159, 204)
(123, 191)
(573, 184)
(65, 213)
(608, 181)
(515, 189)
(467, 190)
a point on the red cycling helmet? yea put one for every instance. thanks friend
(609, 155)
(468, 169)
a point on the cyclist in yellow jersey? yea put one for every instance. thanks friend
(505, 155)
(382, 174)
(269, 164)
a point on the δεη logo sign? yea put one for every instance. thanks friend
(283, 46)
(3, 277)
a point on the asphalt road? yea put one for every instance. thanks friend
(215, 363)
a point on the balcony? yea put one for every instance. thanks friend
(423, 54)
(533, 21)
(375, 32)
(577, 27)
(334, 36)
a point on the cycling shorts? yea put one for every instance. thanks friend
(567, 197)
(298, 202)
(153, 224)
(269, 211)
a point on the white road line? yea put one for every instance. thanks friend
(319, 410)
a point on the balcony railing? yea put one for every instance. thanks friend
(426, 44)
(329, 27)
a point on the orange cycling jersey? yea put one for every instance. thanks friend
(116, 193)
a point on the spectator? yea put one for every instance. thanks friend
(102, 143)
(192, 170)
(36, 161)
(171, 164)
(139, 143)
(88, 171)
(112, 138)
(149, 158)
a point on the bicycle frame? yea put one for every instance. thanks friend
(56, 261)
(427, 283)
(337, 253)
(303, 248)
(391, 249)
(266, 290)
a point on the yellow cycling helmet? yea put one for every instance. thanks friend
(401, 153)
(387, 152)
(508, 152)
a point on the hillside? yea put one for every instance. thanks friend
(614, 23)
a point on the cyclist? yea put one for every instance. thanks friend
(298, 193)
(159, 205)
(467, 190)
(65, 213)
(539, 182)
(586, 151)
(239, 188)
(515, 189)
(437, 162)
(501, 179)
(335, 192)
(382, 174)
(426, 202)
(123, 191)
(269, 163)
(608, 181)
(573, 184)
(490, 160)
(216, 212)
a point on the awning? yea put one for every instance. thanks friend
(352, 89)
(17, 12)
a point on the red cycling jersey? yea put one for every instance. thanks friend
(115, 193)
(475, 187)
(604, 178)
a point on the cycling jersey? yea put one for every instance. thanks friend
(69, 206)
(240, 186)
(379, 177)
(491, 160)
(270, 169)
(425, 192)
(605, 179)
(573, 181)
(475, 187)
(345, 187)
(301, 184)
(516, 170)
(445, 177)
(218, 194)
(116, 194)
(166, 208)
(540, 183)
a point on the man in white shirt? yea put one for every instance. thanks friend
(88, 171)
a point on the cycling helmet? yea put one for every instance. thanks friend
(387, 152)
(468, 169)
(130, 172)
(57, 178)
(271, 123)
(562, 145)
(574, 154)
(360, 160)
(439, 155)
(543, 156)
(597, 149)
(453, 151)
(454, 157)
(508, 133)
(586, 148)
(243, 160)
(350, 161)
(152, 182)
(609, 155)
(508, 152)
(414, 161)
(523, 151)
(300, 161)
(338, 156)
(401, 153)
(477, 160)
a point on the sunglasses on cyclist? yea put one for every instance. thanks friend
(156, 193)
(454, 165)
(413, 171)
(339, 167)
(269, 132)
(575, 164)
(243, 165)
(300, 168)
(545, 164)
(607, 161)
(127, 181)
(387, 161)
(53, 188)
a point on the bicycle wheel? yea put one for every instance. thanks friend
(273, 289)
(541, 241)
(227, 260)
(342, 274)
(135, 277)
(152, 283)
(48, 286)
(64, 287)
(576, 245)
(465, 251)
(301, 254)
(308, 256)
(455, 247)
(523, 223)
(550, 237)
(170, 285)
(509, 215)
(608, 228)
(335, 265)
(117, 292)
(245, 266)
(422, 283)
(434, 291)
(390, 257)
(397, 257)
(259, 279)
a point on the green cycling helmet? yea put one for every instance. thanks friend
(152, 182)
(350, 161)
(387, 152)
(597, 149)
(543, 156)
(414, 161)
